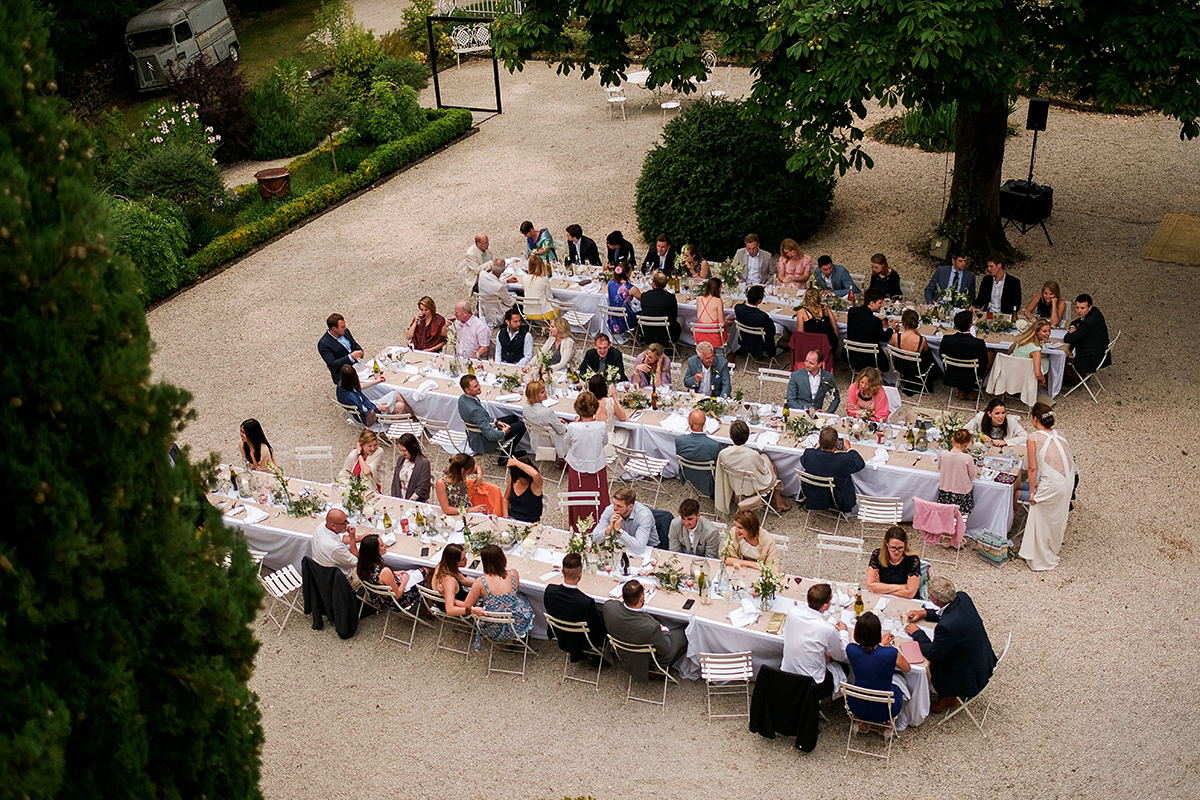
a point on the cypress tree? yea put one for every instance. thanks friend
(125, 644)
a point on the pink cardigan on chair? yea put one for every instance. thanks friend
(936, 520)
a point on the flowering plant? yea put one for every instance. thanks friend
(768, 584)
(581, 538)
(729, 272)
(354, 494)
(670, 576)
(950, 299)
(177, 125)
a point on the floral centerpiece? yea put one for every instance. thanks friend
(635, 400)
(799, 426)
(729, 272)
(543, 359)
(949, 299)
(612, 376)
(713, 407)
(768, 585)
(836, 303)
(510, 382)
(514, 534)
(308, 504)
(580, 541)
(1000, 323)
(452, 343)
(354, 494)
(948, 424)
(279, 492)
(670, 576)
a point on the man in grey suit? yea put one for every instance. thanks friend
(693, 534)
(756, 263)
(628, 621)
(505, 428)
(954, 275)
(707, 373)
(697, 446)
(813, 387)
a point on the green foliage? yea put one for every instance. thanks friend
(125, 644)
(412, 39)
(219, 94)
(403, 71)
(388, 113)
(694, 186)
(350, 46)
(325, 114)
(179, 174)
(279, 103)
(155, 242)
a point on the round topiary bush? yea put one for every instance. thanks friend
(718, 176)
(388, 113)
(154, 242)
(177, 174)
(403, 71)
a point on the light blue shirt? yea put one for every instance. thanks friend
(636, 532)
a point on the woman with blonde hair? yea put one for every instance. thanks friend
(795, 266)
(1048, 304)
(559, 344)
(1029, 345)
(866, 396)
(537, 290)
(364, 461)
(814, 316)
(538, 414)
(652, 367)
(894, 569)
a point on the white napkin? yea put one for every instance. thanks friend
(548, 556)
(409, 369)
(746, 614)
(388, 539)
(880, 605)
(810, 440)
(424, 389)
(415, 576)
(879, 459)
(677, 424)
(508, 398)
(549, 576)
(549, 401)
(710, 425)
(488, 379)
(765, 438)
(250, 516)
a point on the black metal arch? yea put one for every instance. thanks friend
(437, 88)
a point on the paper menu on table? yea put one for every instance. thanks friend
(549, 576)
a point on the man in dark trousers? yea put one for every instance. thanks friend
(750, 315)
(1088, 337)
(831, 461)
(337, 346)
(569, 604)
(603, 356)
(864, 326)
(960, 654)
(999, 292)
(581, 249)
(628, 621)
(961, 345)
(661, 302)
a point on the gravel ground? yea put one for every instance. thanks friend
(1093, 697)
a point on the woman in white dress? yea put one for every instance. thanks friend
(1051, 469)
(610, 413)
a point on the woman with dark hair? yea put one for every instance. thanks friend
(1051, 469)
(996, 426)
(956, 470)
(622, 294)
(874, 663)
(710, 310)
(371, 569)
(751, 544)
(524, 491)
(497, 591)
(253, 443)
(893, 568)
(587, 466)
(693, 264)
(452, 490)
(610, 412)
(412, 477)
(914, 342)
(448, 580)
(350, 393)
(883, 277)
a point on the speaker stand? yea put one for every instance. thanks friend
(1022, 226)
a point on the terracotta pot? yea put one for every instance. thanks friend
(273, 182)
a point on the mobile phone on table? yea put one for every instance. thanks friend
(474, 564)
(691, 601)
(424, 552)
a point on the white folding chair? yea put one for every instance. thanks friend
(615, 96)
(574, 317)
(782, 543)
(351, 414)
(391, 605)
(949, 363)
(438, 433)
(965, 705)
(435, 605)
(284, 587)
(908, 288)
(641, 466)
(874, 696)
(697, 466)
(544, 452)
(647, 326)
(609, 313)
(505, 639)
(624, 649)
(827, 543)
(1013, 376)
(569, 500)
(750, 330)
(669, 105)
(878, 511)
(742, 483)
(860, 279)
(869, 352)
(315, 453)
(558, 627)
(815, 485)
(257, 557)
(1095, 376)
(727, 674)
(504, 449)
(916, 373)
(767, 375)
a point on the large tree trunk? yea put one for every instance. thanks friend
(972, 218)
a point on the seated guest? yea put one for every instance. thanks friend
(350, 393)
(337, 346)
(835, 278)
(997, 427)
(620, 251)
(757, 465)
(559, 344)
(812, 645)
(913, 342)
(497, 590)
(960, 654)
(884, 278)
(795, 266)
(892, 569)
(508, 428)
(474, 336)
(698, 447)
(371, 569)
(1048, 304)
(538, 242)
(813, 387)
(757, 267)
(622, 294)
(750, 315)
(514, 342)
(523, 494)
(1029, 345)
(661, 258)
(626, 620)
(537, 290)
(832, 460)
(652, 368)
(412, 477)
(864, 326)
(581, 249)
(476, 258)
(1088, 337)
(693, 266)
(710, 310)
(963, 346)
(610, 413)
(659, 301)
(693, 534)
(568, 603)
(956, 473)
(364, 461)
(707, 373)
(448, 580)
(587, 467)
(452, 489)
(427, 331)
(814, 316)
(335, 543)
(874, 663)
(954, 275)
(999, 292)
(866, 399)
(535, 412)
(603, 356)
(751, 544)
(631, 521)
(256, 450)
(494, 297)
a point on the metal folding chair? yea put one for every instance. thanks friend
(391, 605)
(727, 674)
(624, 649)
(881, 697)
(315, 453)
(434, 604)
(284, 587)
(819, 484)
(510, 642)
(949, 363)
(1095, 376)
(767, 375)
(965, 705)
(640, 465)
(827, 543)
(560, 626)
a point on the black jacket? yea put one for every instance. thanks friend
(650, 262)
(585, 252)
(863, 326)
(591, 360)
(662, 303)
(965, 347)
(1088, 342)
(755, 317)
(785, 704)
(334, 354)
(570, 604)
(1010, 296)
(960, 653)
(327, 593)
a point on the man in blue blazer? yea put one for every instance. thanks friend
(832, 460)
(960, 654)
(954, 275)
(835, 277)
(337, 346)
(697, 446)
(813, 387)
(492, 433)
(707, 373)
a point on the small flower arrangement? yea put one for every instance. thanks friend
(1000, 323)
(510, 382)
(836, 303)
(279, 492)
(729, 272)
(768, 585)
(354, 494)
(308, 504)
(713, 407)
(949, 423)
(950, 299)
(670, 576)
(799, 426)
(635, 400)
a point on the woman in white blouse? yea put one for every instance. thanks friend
(587, 466)
(559, 344)
(537, 290)
(997, 427)
(535, 412)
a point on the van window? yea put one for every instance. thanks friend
(183, 32)
(151, 39)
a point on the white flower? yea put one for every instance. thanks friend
(208, 129)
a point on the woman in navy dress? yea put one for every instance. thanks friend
(873, 665)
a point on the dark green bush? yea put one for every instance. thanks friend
(156, 243)
(278, 107)
(718, 176)
(177, 174)
(403, 71)
(388, 113)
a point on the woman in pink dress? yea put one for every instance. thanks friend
(795, 266)
(710, 310)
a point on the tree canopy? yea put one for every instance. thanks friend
(818, 62)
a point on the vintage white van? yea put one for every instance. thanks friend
(173, 33)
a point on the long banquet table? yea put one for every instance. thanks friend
(286, 540)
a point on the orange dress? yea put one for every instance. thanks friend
(710, 310)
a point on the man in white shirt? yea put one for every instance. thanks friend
(513, 345)
(633, 520)
(693, 534)
(335, 544)
(813, 646)
(494, 297)
(476, 257)
(474, 337)
(757, 267)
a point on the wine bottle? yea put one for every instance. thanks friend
(858, 604)
(787, 412)
(911, 439)
(387, 521)
(654, 396)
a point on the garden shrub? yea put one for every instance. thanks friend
(388, 113)
(156, 244)
(349, 45)
(403, 71)
(719, 175)
(278, 108)
(220, 92)
(178, 174)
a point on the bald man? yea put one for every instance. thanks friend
(476, 257)
(335, 543)
(696, 445)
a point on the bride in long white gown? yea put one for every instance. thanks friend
(1051, 469)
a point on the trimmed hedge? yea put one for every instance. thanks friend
(445, 125)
